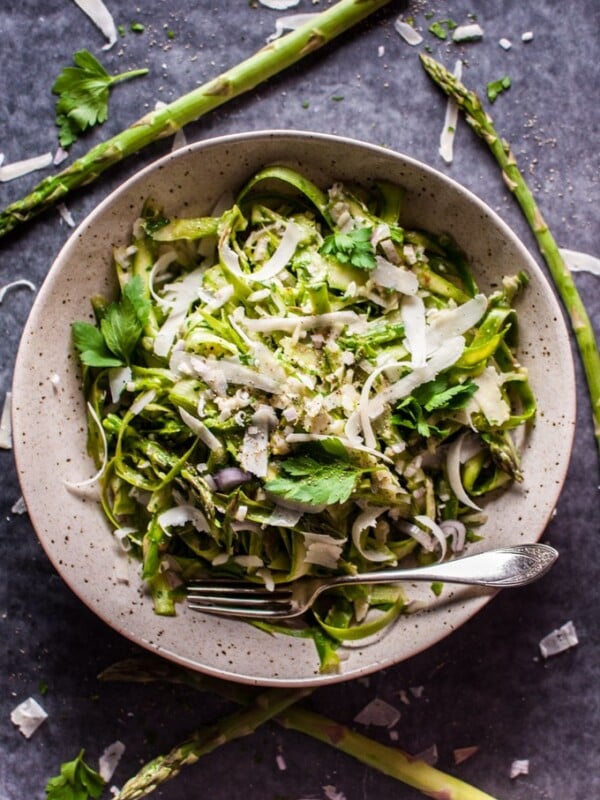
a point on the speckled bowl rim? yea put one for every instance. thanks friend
(49, 433)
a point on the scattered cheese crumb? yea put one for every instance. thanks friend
(559, 640)
(107, 763)
(65, 215)
(519, 767)
(281, 765)
(527, 36)
(331, 793)
(467, 33)
(505, 44)
(19, 507)
(28, 716)
(429, 756)
(379, 713)
(279, 5)
(102, 18)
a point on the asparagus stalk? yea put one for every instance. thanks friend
(241, 723)
(481, 122)
(389, 760)
(271, 59)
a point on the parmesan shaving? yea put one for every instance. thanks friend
(467, 33)
(200, 429)
(28, 716)
(378, 713)
(290, 23)
(65, 215)
(181, 515)
(287, 247)
(446, 149)
(17, 169)
(580, 262)
(435, 529)
(102, 19)
(6, 423)
(559, 640)
(108, 761)
(279, 5)
(407, 32)
(519, 767)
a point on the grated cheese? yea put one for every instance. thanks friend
(108, 761)
(28, 716)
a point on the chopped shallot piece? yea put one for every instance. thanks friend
(378, 713)
(518, 767)
(28, 716)
(559, 640)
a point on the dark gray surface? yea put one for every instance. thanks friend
(486, 684)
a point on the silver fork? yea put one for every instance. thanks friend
(500, 568)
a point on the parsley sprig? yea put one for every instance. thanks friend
(353, 248)
(324, 481)
(121, 325)
(83, 92)
(414, 411)
(76, 781)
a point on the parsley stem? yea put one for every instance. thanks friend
(125, 76)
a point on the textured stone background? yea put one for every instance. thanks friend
(485, 685)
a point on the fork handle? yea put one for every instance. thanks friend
(504, 567)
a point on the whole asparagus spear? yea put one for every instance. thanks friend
(271, 59)
(389, 760)
(481, 122)
(241, 723)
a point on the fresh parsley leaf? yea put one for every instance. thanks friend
(303, 479)
(91, 346)
(353, 248)
(121, 326)
(76, 781)
(494, 88)
(83, 92)
(436, 395)
(453, 398)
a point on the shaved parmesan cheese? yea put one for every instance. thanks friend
(118, 378)
(280, 761)
(322, 549)
(429, 756)
(65, 215)
(141, 401)
(17, 169)
(519, 767)
(6, 423)
(213, 371)
(284, 517)
(292, 323)
(292, 236)
(279, 5)
(505, 44)
(331, 793)
(107, 763)
(413, 317)
(19, 507)
(527, 36)
(290, 23)
(294, 438)
(28, 716)
(580, 262)
(199, 428)
(15, 285)
(181, 515)
(379, 713)
(254, 453)
(559, 640)
(102, 19)
(488, 397)
(179, 140)
(450, 122)
(467, 33)
(407, 32)
(391, 276)
(446, 323)
(60, 156)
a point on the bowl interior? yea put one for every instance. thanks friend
(49, 423)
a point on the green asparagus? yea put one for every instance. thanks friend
(388, 760)
(481, 122)
(270, 60)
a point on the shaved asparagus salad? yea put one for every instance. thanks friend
(298, 385)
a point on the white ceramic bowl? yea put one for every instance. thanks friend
(49, 418)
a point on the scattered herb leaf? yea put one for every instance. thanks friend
(351, 248)
(303, 479)
(438, 30)
(494, 88)
(121, 326)
(137, 27)
(83, 92)
(76, 781)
